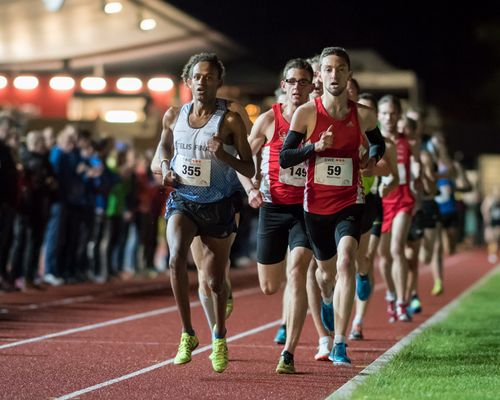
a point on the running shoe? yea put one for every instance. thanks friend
(415, 305)
(327, 316)
(339, 355)
(363, 287)
(356, 333)
(438, 288)
(391, 311)
(402, 313)
(280, 337)
(324, 348)
(285, 364)
(186, 346)
(219, 355)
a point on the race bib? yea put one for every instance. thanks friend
(295, 176)
(402, 174)
(333, 171)
(445, 192)
(193, 172)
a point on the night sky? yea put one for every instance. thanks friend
(455, 51)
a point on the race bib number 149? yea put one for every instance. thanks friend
(295, 176)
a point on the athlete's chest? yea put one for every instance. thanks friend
(346, 133)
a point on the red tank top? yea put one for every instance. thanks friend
(333, 178)
(278, 185)
(402, 194)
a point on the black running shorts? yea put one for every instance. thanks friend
(325, 231)
(280, 227)
(450, 220)
(416, 231)
(212, 219)
(430, 216)
(373, 210)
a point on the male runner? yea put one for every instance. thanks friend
(329, 133)
(280, 197)
(199, 149)
(398, 208)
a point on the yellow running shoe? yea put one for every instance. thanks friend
(438, 288)
(186, 346)
(219, 355)
(285, 364)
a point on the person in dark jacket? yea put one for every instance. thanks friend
(8, 198)
(34, 205)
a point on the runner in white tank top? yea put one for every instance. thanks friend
(202, 206)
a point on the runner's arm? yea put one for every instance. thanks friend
(243, 164)
(164, 149)
(290, 153)
(256, 140)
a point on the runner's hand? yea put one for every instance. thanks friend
(325, 141)
(169, 178)
(255, 198)
(216, 146)
(367, 165)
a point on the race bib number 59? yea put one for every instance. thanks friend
(192, 171)
(333, 171)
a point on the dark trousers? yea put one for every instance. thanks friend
(28, 239)
(7, 216)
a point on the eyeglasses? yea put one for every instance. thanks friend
(301, 82)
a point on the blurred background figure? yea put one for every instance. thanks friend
(490, 209)
(36, 194)
(8, 196)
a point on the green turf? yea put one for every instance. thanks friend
(458, 358)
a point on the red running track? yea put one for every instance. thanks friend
(117, 341)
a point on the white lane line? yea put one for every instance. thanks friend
(151, 313)
(164, 363)
(346, 390)
(116, 321)
(132, 290)
(82, 299)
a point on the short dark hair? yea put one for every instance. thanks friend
(389, 98)
(369, 97)
(355, 83)
(212, 58)
(84, 134)
(298, 63)
(337, 51)
(313, 59)
(413, 124)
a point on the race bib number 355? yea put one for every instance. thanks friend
(295, 176)
(333, 171)
(192, 171)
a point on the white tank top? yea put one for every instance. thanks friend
(202, 177)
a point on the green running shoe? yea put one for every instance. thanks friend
(219, 355)
(186, 346)
(285, 364)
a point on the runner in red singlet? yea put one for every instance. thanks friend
(398, 208)
(329, 134)
(280, 197)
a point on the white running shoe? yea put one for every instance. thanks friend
(52, 280)
(325, 344)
